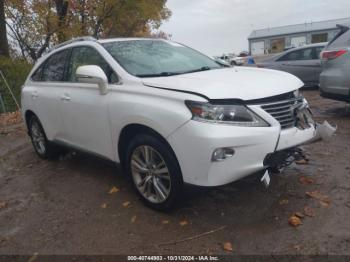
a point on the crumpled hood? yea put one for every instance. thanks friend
(244, 83)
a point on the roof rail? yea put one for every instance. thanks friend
(78, 39)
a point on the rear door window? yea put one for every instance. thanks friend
(54, 67)
(303, 54)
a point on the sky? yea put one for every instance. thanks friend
(222, 26)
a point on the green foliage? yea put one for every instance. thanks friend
(36, 25)
(15, 72)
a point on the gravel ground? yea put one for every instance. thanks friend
(64, 206)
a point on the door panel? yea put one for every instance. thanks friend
(46, 84)
(47, 109)
(303, 64)
(86, 118)
(84, 109)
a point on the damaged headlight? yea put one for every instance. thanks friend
(238, 115)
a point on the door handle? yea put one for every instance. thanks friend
(65, 97)
(35, 94)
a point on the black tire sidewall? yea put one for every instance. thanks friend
(171, 162)
(47, 153)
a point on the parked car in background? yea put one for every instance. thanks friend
(233, 60)
(221, 61)
(169, 114)
(303, 62)
(335, 77)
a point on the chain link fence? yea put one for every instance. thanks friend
(12, 76)
(8, 100)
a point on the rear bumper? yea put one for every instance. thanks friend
(335, 83)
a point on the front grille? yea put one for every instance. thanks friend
(283, 111)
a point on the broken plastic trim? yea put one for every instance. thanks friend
(324, 131)
(281, 159)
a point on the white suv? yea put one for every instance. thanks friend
(167, 113)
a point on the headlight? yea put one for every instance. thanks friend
(238, 115)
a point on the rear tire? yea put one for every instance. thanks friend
(42, 146)
(154, 171)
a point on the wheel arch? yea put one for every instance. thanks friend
(27, 116)
(132, 130)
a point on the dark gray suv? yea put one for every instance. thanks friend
(335, 76)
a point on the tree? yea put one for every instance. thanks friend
(61, 10)
(4, 48)
(35, 25)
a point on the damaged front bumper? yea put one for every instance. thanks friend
(254, 149)
(279, 159)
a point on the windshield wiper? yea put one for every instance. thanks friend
(204, 68)
(158, 75)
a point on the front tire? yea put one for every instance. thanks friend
(154, 171)
(42, 146)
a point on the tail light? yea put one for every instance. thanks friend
(328, 55)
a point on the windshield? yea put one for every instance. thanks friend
(152, 58)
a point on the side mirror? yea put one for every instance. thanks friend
(93, 74)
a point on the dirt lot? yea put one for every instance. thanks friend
(64, 206)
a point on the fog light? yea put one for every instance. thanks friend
(220, 154)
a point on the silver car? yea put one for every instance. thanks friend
(303, 62)
(335, 77)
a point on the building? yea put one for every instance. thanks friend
(277, 39)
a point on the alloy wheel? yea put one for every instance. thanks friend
(150, 174)
(38, 138)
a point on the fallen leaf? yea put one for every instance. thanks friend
(306, 180)
(299, 214)
(113, 190)
(183, 223)
(323, 199)
(104, 205)
(228, 246)
(308, 211)
(2, 204)
(165, 222)
(126, 204)
(294, 221)
(283, 202)
(297, 247)
(133, 219)
(325, 202)
(10, 118)
(302, 162)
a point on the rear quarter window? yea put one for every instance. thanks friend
(54, 67)
(36, 76)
